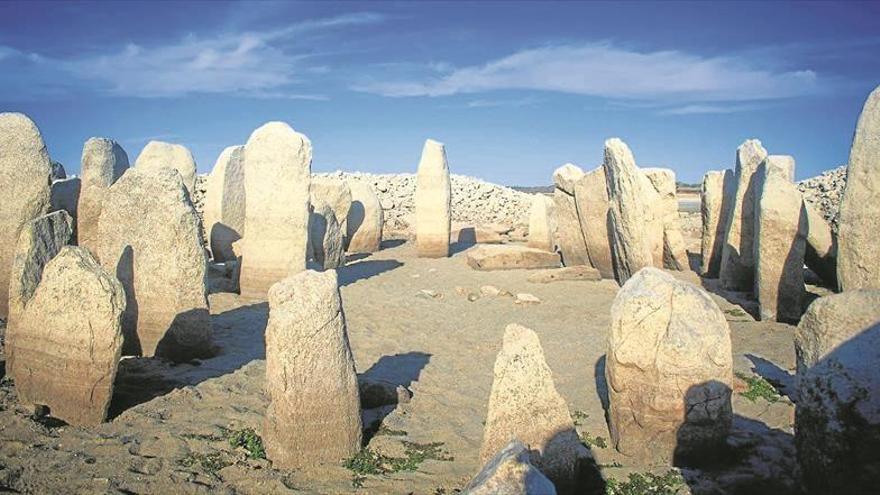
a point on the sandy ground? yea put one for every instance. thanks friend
(169, 423)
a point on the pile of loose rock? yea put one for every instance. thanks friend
(824, 192)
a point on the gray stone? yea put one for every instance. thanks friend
(159, 154)
(225, 204)
(591, 197)
(510, 472)
(64, 195)
(325, 237)
(103, 163)
(569, 237)
(718, 190)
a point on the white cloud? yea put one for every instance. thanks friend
(515, 102)
(706, 109)
(604, 70)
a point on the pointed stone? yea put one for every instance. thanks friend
(159, 154)
(569, 236)
(24, 187)
(64, 196)
(314, 414)
(591, 197)
(365, 219)
(718, 190)
(103, 163)
(69, 339)
(433, 202)
(541, 224)
(225, 203)
(278, 163)
(510, 472)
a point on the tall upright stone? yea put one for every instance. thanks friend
(837, 415)
(326, 237)
(24, 187)
(225, 203)
(569, 237)
(674, 250)
(525, 405)
(278, 162)
(314, 414)
(64, 196)
(69, 339)
(858, 259)
(821, 253)
(40, 240)
(149, 237)
(669, 370)
(780, 243)
(541, 223)
(103, 163)
(365, 219)
(717, 189)
(737, 255)
(591, 197)
(159, 154)
(433, 202)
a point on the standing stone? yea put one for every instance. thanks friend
(64, 196)
(24, 187)
(278, 162)
(149, 237)
(541, 223)
(314, 414)
(325, 237)
(837, 415)
(569, 236)
(510, 472)
(632, 224)
(674, 252)
(821, 253)
(525, 405)
(737, 256)
(782, 164)
(225, 203)
(58, 172)
(858, 259)
(669, 370)
(103, 163)
(40, 240)
(365, 218)
(717, 192)
(591, 197)
(159, 154)
(335, 193)
(69, 339)
(433, 202)
(780, 242)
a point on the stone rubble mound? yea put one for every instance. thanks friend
(824, 192)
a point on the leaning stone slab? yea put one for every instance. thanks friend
(737, 255)
(510, 472)
(103, 163)
(837, 417)
(69, 339)
(149, 237)
(569, 237)
(159, 154)
(365, 218)
(591, 197)
(674, 250)
(225, 203)
(278, 162)
(314, 414)
(541, 223)
(525, 405)
(669, 369)
(433, 202)
(24, 187)
(325, 237)
(780, 243)
(64, 196)
(717, 191)
(41, 239)
(568, 273)
(858, 260)
(509, 257)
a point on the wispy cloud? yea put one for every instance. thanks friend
(606, 70)
(706, 109)
(513, 102)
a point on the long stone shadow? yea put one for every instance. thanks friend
(467, 238)
(601, 384)
(237, 339)
(778, 377)
(350, 274)
(378, 386)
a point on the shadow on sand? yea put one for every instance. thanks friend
(364, 269)
(378, 386)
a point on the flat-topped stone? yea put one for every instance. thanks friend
(509, 257)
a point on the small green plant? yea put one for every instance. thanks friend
(612, 464)
(596, 441)
(417, 453)
(249, 440)
(211, 463)
(646, 484)
(384, 430)
(736, 312)
(758, 388)
(578, 417)
(369, 462)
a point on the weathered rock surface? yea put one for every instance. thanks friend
(325, 237)
(569, 237)
(278, 162)
(510, 472)
(148, 236)
(717, 191)
(591, 197)
(858, 253)
(433, 202)
(837, 417)
(669, 370)
(821, 252)
(510, 257)
(737, 255)
(159, 154)
(824, 191)
(365, 219)
(525, 405)
(314, 414)
(541, 223)
(103, 163)
(225, 203)
(568, 273)
(24, 187)
(69, 339)
(780, 243)
(64, 195)
(674, 251)
(333, 192)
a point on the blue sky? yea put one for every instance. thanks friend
(513, 89)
